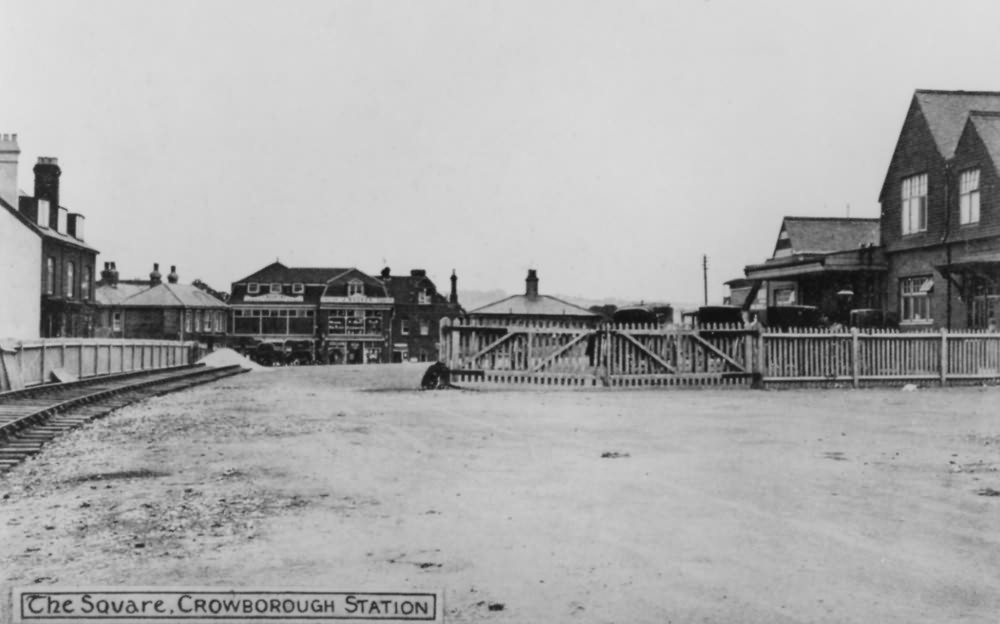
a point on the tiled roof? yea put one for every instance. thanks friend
(541, 305)
(826, 234)
(987, 126)
(281, 274)
(946, 113)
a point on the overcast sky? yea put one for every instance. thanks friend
(606, 144)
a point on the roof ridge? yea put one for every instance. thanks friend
(956, 92)
(982, 113)
(833, 218)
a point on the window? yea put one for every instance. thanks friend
(85, 284)
(70, 280)
(50, 276)
(423, 297)
(784, 296)
(188, 321)
(404, 327)
(425, 328)
(253, 288)
(355, 287)
(116, 321)
(914, 299)
(298, 289)
(275, 289)
(968, 196)
(914, 211)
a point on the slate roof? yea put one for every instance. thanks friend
(277, 272)
(947, 111)
(827, 234)
(541, 305)
(46, 232)
(114, 295)
(162, 295)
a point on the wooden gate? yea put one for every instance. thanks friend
(562, 354)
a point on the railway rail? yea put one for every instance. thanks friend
(32, 417)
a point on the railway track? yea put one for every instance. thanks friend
(32, 417)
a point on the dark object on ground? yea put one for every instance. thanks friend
(613, 455)
(437, 376)
(496, 606)
(988, 492)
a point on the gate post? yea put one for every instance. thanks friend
(944, 356)
(855, 358)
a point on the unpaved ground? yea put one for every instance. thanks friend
(711, 506)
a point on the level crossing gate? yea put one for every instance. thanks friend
(555, 353)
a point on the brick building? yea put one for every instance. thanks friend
(40, 237)
(941, 212)
(335, 315)
(152, 309)
(418, 308)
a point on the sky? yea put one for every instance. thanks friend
(608, 145)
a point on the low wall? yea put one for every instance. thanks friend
(33, 362)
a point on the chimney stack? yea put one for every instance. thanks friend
(418, 273)
(75, 225)
(453, 297)
(531, 284)
(172, 278)
(386, 273)
(47, 174)
(9, 152)
(155, 277)
(114, 274)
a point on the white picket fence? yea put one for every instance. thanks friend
(554, 354)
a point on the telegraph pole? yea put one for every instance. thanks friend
(704, 276)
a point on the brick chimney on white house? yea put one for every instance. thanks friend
(9, 152)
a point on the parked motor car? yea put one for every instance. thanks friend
(787, 316)
(872, 317)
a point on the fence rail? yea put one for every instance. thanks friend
(32, 362)
(616, 355)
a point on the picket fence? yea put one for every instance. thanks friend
(32, 362)
(550, 353)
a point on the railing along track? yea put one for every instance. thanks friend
(32, 417)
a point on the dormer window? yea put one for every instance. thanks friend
(275, 289)
(253, 288)
(298, 289)
(968, 197)
(424, 297)
(914, 212)
(355, 287)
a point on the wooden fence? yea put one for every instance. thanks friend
(554, 354)
(33, 362)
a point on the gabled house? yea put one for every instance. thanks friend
(418, 308)
(338, 315)
(152, 309)
(42, 238)
(941, 212)
(834, 264)
(533, 306)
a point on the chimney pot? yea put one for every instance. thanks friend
(155, 277)
(531, 283)
(172, 278)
